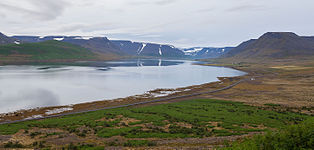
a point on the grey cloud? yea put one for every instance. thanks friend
(165, 2)
(43, 10)
(17, 9)
(72, 27)
(151, 36)
(246, 8)
(87, 27)
(50, 9)
(219, 22)
(205, 10)
(2, 15)
(156, 2)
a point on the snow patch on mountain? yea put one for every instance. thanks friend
(58, 39)
(205, 52)
(83, 37)
(192, 51)
(160, 52)
(141, 48)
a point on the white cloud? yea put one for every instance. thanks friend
(198, 22)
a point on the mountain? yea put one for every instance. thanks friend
(206, 52)
(120, 48)
(148, 49)
(7, 40)
(44, 51)
(274, 45)
(100, 45)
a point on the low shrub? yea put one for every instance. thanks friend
(293, 137)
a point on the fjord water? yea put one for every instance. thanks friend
(24, 87)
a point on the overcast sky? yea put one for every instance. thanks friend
(183, 23)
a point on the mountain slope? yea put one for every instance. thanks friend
(7, 40)
(43, 51)
(100, 45)
(206, 52)
(148, 49)
(274, 45)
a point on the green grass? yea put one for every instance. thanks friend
(233, 118)
(294, 137)
(83, 147)
(272, 105)
(48, 50)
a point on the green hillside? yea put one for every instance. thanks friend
(48, 50)
(144, 126)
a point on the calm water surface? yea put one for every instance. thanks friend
(24, 87)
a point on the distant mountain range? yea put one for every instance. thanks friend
(274, 45)
(271, 45)
(148, 49)
(206, 52)
(103, 46)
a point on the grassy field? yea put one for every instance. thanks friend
(300, 136)
(197, 118)
(48, 50)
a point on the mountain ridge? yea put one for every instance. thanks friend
(100, 45)
(274, 45)
(105, 46)
(7, 40)
(148, 49)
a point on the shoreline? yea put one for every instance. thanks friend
(152, 95)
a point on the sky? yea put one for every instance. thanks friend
(182, 23)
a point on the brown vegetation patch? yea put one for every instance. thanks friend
(127, 121)
(256, 86)
(183, 124)
(249, 126)
(290, 67)
(22, 138)
(213, 123)
(110, 119)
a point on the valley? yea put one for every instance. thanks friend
(156, 75)
(142, 126)
(272, 98)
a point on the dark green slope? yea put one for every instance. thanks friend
(48, 50)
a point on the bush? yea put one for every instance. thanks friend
(13, 145)
(300, 136)
(33, 134)
(138, 143)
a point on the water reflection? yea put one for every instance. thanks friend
(36, 86)
(136, 63)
